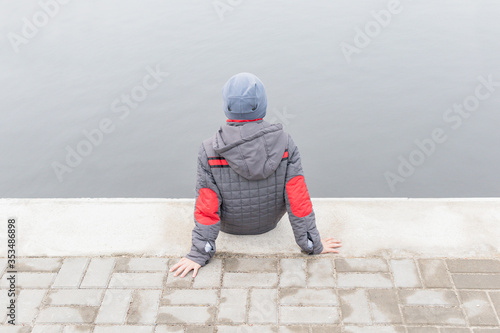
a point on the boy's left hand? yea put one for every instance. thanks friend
(330, 244)
(185, 265)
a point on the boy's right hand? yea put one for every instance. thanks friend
(330, 244)
(185, 265)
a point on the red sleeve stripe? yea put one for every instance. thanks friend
(285, 155)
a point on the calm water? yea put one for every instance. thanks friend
(355, 118)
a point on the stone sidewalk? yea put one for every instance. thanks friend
(239, 294)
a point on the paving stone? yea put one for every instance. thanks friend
(71, 273)
(141, 264)
(178, 282)
(355, 307)
(136, 280)
(14, 329)
(473, 266)
(232, 307)
(209, 276)
(144, 307)
(428, 297)
(189, 296)
(293, 273)
(89, 297)
(28, 303)
(246, 280)
(422, 329)
(66, 314)
(433, 315)
(247, 329)
(186, 314)
(320, 273)
(405, 273)
(384, 305)
(326, 329)
(495, 299)
(364, 280)
(294, 329)
(114, 306)
(476, 281)
(78, 329)
(303, 296)
(309, 315)
(454, 330)
(487, 330)
(98, 273)
(478, 308)
(30, 280)
(374, 329)
(263, 306)
(124, 329)
(367, 265)
(47, 329)
(251, 265)
(4, 302)
(434, 273)
(198, 329)
(169, 329)
(38, 264)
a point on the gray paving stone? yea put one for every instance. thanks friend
(144, 307)
(98, 273)
(189, 297)
(293, 273)
(246, 280)
(169, 329)
(198, 329)
(434, 273)
(308, 296)
(487, 330)
(364, 280)
(66, 314)
(473, 266)
(294, 329)
(405, 273)
(251, 265)
(325, 329)
(89, 297)
(309, 315)
(428, 297)
(495, 299)
(136, 280)
(47, 329)
(454, 330)
(478, 308)
(476, 281)
(14, 329)
(434, 315)
(247, 329)
(71, 273)
(28, 303)
(209, 276)
(355, 306)
(384, 305)
(78, 329)
(150, 264)
(186, 314)
(263, 306)
(38, 264)
(124, 329)
(320, 273)
(178, 282)
(422, 329)
(374, 329)
(367, 265)
(114, 306)
(232, 307)
(30, 280)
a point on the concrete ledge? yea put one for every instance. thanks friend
(159, 227)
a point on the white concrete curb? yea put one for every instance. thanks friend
(158, 227)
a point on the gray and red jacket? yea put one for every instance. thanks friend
(250, 174)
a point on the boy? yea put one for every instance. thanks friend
(249, 175)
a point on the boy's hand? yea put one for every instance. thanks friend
(185, 265)
(330, 244)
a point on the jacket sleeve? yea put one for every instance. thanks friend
(299, 205)
(206, 213)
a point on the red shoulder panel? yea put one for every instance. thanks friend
(300, 203)
(207, 206)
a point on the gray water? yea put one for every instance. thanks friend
(353, 118)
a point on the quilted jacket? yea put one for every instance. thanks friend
(249, 174)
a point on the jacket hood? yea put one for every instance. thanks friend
(254, 149)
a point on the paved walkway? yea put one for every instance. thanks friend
(240, 294)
